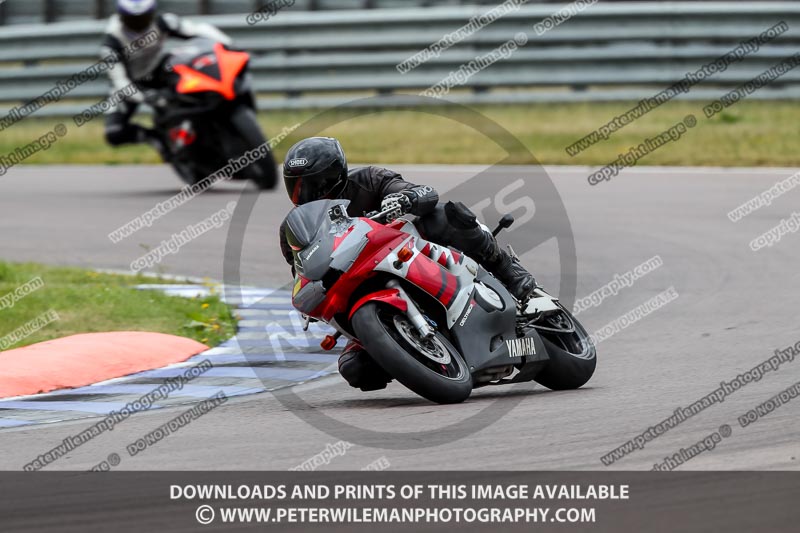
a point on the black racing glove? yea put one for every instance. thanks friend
(396, 205)
(418, 200)
(423, 199)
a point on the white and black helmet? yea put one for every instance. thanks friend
(137, 15)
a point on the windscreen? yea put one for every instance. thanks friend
(311, 234)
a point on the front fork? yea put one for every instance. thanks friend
(414, 315)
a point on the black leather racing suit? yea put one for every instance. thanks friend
(449, 224)
(366, 188)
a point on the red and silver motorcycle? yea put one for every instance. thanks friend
(429, 315)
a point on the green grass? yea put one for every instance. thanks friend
(87, 301)
(750, 133)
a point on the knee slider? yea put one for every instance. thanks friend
(351, 367)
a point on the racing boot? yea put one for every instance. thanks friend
(519, 282)
(480, 244)
(360, 370)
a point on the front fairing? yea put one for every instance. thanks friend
(308, 295)
(205, 74)
(335, 253)
(312, 232)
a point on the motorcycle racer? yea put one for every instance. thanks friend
(135, 21)
(316, 168)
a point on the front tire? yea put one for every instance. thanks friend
(248, 136)
(442, 376)
(185, 172)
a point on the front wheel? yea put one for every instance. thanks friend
(248, 136)
(432, 368)
(185, 171)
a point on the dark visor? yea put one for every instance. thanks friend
(138, 22)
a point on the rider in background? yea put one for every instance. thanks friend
(316, 169)
(139, 20)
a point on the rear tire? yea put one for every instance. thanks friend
(573, 358)
(375, 328)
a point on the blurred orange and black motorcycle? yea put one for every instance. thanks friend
(206, 114)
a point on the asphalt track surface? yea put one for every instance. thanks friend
(735, 307)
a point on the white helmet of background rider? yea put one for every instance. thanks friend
(137, 15)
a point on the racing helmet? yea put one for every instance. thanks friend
(315, 168)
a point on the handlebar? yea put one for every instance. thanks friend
(377, 216)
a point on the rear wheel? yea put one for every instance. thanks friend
(432, 368)
(199, 160)
(573, 358)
